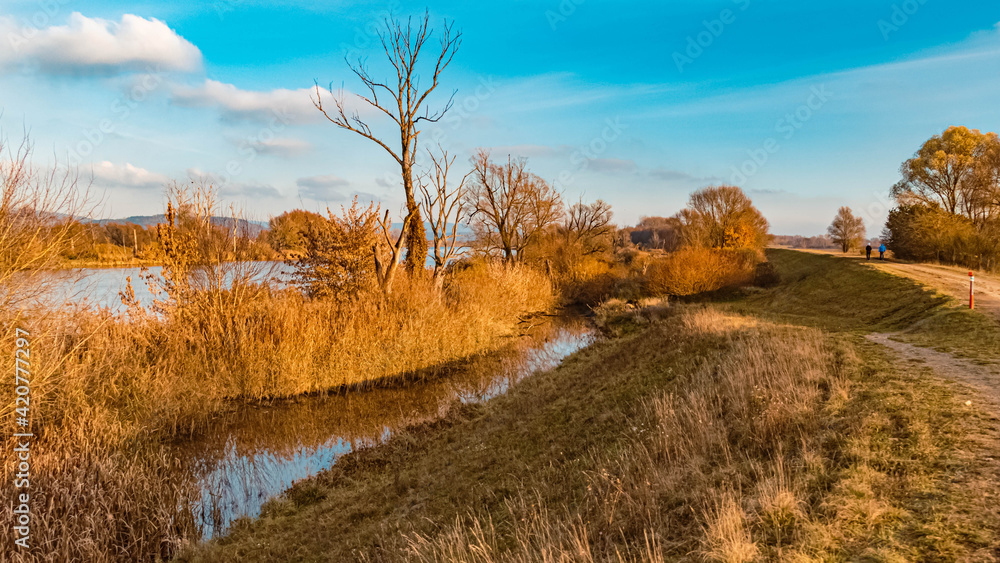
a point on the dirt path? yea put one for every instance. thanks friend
(949, 280)
(984, 379)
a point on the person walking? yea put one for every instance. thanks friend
(881, 251)
(868, 251)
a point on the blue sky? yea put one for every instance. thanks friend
(807, 106)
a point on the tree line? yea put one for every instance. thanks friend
(947, 203)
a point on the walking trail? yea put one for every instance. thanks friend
(948, 280)
(954, 282)
(983, 378)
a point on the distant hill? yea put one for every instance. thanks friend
(253, 227)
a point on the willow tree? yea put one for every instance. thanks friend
(942, 172)
(405, 101)
(723, 217)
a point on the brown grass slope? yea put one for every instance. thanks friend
(707, 436)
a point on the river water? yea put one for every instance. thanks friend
(257, 452)
(253, 453)
(102, 287)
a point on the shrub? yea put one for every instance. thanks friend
(338, 261)
(699, 270)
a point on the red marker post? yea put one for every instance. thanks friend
(972, 286)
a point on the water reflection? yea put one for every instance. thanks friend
(256, 453)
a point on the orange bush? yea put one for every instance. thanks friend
(698, 270)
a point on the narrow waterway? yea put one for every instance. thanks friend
(257, 452)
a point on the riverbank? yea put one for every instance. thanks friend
(109, 391)
(107, 264)
(762, 427)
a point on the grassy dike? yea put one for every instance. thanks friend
(760, 428)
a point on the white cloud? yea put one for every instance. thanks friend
(322, 188)
(385, 182)
(127, 175)
(283, 105)
(97, 45)
(231, 190)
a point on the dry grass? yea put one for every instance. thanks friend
(107, 391)
(704, 437)
(153, 373)
(105, 388)
(706, 471)
(95, 503)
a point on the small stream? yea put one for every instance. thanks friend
(257, 452)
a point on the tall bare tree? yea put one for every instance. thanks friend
(405, 102)
(509, 206)
(444, 205)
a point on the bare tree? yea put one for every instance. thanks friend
(590, 225)
(38, 212)
(404, 101)
(386, 266)
(509, 206)
(444, 206)
(847, 230)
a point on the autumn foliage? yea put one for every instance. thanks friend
(719, 240)
(691, 271)
(949, 201)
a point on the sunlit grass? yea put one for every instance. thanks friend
(700, 437)
(105, 388)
